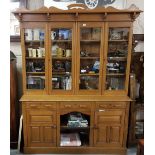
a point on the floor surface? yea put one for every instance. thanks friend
(131, 151)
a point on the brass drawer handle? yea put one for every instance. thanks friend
(101, 110)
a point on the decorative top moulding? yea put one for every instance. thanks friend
(79, 8)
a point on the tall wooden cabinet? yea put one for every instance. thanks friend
(76, 62)
(14, 114)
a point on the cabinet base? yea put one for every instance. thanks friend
(73, 150)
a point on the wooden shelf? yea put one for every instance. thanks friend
(74, 128)
(33, 41)
(38, 76)
(35, 73)
(118, 40)
(90, 41)
(82, 146)
(35, 58)
(61, 41)
(61, 73)
(89, 58)
(89, 74)
(118, 58)
(62, 58)
(115, 74)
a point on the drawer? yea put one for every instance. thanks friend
(36, 119)
(41, 105)
(75, 105)
(112, 116)
(110, 105)
(109, 119)
(41, 116)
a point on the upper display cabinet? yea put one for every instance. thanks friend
(76, 51)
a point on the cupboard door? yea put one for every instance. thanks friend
(90, 40)
(41, 125)
(41, 136)
(34, 53)
(108, 130)
(62, 52)
(118, 54)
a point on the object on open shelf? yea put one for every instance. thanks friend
(70, 139)
(77, 120)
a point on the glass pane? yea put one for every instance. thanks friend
(89, 58)
(115, 83)
(61, 53)
(89, 82)
(35, 58)
(117, 58)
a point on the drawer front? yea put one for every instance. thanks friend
(41, 116)
(109, 116)
(75, 105)
(41, 105)
(36, 119)
(109, 119)
(100, 105)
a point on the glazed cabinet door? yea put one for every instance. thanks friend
(62, 57)
(41, 128)
(34, 57)
(108, 129)
(89, 62)
(118, 46)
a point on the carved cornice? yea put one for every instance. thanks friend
(80, 8)
(77, 9)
